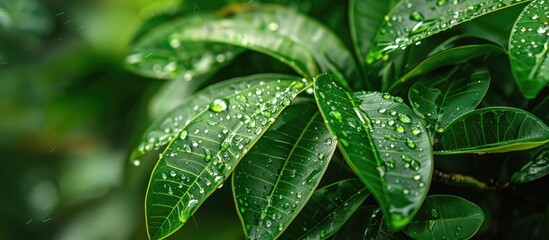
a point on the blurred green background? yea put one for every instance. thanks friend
(69, 113)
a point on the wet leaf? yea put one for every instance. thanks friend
(529, 49)
(453, 56)
(302, 43)
(327, 210)
(172, 94)
(365, 17)
(492, 130)
(384, 143)
(445, 217)
(209, 144)
(533, 170)
(413, 20)
(442, 97)
(156, 55)
(279, 174)
(367, 223)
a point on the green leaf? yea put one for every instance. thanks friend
(442, 97)
(453, 56)
(535, 169)
(172, 94)
(293, 38)
(413, 20)
(365, 17)
(492, 130)
(207, 148)
(445, 217)
(529, 49)
(384, 143)
(367, 223)
(156, 55)
(279, 174)
(327, 210)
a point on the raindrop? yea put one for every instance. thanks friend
(382, 110)
(416, 177)
(431, 226)
(298, 195)
(172, 173)
(207, 154)
(410, 143)
(219, 105)
(164, 176)
(268, 223)
(404, 118)
(241, 98)
(416, 131)
(170, 191)
(328, 141)
(405, 191)
(399, 129)
(386, 96)
(183, 134)
(136, 162)
(336, 115)
(434, 213)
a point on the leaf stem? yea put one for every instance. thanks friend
(464, 180)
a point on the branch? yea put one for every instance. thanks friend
(463, 180)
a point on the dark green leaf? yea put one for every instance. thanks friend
(453, 56)
(209, 144)
(285, 34)
(355, 227)
(442, 97)
(365, 17)
(535, 169)
(528, 49)
(279, 174)
(413, 20)
(445, 217)
(385, 144)
(25, 15)
(327, 210)
(157, 55)
(493, 130)
(376, 229)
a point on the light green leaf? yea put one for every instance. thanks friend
(533, 170)
(327, 210)
(492, 130)
(442, 97)
(384, 143)
(413, 20)
(453, 56)
(302, 43)
(445, 217)
(529, 49)
(156, 55)
(279, 174)
(209, 144)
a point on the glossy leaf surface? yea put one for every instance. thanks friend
(413, 20)
(529, 49)
(365, 17)
(157, 55)
(279, 174)
(302, 43)
(207, 148)
(493, 130)
(453, 56)
(327, 210)
(535, 169)
(445, 217)
(442, 97)
(384, 143)
(367, 223)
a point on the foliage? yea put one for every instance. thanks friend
(402, 94)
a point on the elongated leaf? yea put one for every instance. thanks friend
(327, 210)
(279, 174)
(203, 153)
(445, 217)
(356, 225)
(440, 98)
(172, 94)
(453, 56)
(376, 229)
(385, 144)
(302, 43)
(365, 17)
(413, 20)
(157, 55)
(493, 130)
(535, 169)
(529, 49)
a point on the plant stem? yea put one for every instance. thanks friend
(463, 180)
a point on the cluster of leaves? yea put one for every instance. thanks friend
(275, 134)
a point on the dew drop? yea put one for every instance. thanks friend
(399, 129)
(416, 131)
(207, 154)
(416, 16)
(404, 118)
(172, 173)
(410, 143)
(136, 162)
(164, 176)
(434, 213)
(336, 115)
(183, 134)
(219, 105)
